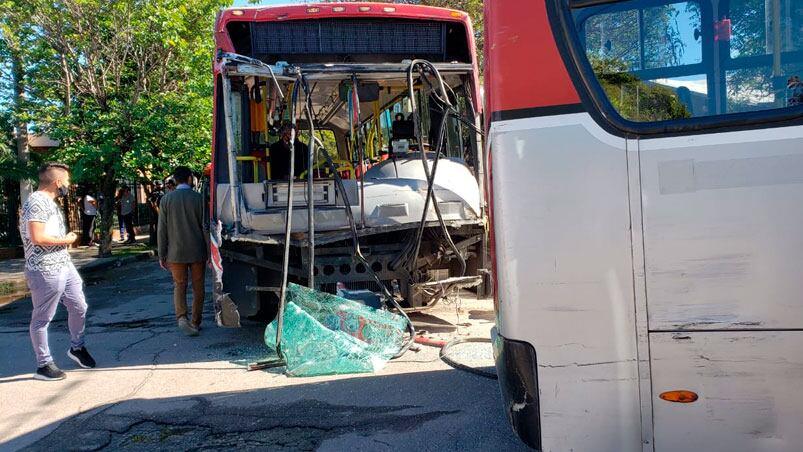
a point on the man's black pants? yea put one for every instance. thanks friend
(87, 229)
(128, 222)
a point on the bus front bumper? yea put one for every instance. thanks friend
(516, 367)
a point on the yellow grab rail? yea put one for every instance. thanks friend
(254, 161)
(342, 165)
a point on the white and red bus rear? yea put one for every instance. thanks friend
(646, 179)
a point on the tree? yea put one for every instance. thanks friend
(15, 49)
(635, 99)
(16, 170)
(129, 94)
(616, 48)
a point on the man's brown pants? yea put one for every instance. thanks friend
(179, 271)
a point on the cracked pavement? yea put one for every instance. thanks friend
(155, 389)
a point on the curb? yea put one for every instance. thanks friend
(114, 262)
(17, 289)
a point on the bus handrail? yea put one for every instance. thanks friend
(254, 161)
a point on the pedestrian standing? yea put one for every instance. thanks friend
(117, 206)
(50, 273)
(183, 247)
(89, 207)
(127, 204)
(153, 204)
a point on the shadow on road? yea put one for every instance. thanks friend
(442, 410)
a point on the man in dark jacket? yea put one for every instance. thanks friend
(280, 155)
(183, 247)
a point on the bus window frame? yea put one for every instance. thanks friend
(594, 100)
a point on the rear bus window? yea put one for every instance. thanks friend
(662, 61)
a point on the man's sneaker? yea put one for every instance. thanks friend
(186, 328)
(49, 373)
(82, 357)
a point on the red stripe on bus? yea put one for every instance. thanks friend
(523, 66)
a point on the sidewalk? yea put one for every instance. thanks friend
(12, 271)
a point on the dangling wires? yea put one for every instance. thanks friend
(409, 256)
(355, 242)
(288, 222)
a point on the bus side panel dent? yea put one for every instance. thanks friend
(750, 388)
(516, 367)
(563, 249)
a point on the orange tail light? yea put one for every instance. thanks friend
(679, 396)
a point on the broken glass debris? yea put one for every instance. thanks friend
(324, 334)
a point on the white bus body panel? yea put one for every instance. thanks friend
(565, 276)
(723, 230)
(715, 276)
(750, 386)
(723, 250)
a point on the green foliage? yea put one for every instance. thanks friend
(634, 99)
(615, 36)
(139, 76)
(124, 85)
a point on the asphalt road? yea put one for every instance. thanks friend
(155, 389)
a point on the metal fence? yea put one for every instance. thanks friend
(9, 208)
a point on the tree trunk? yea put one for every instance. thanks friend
(108, 185)
(18, 75)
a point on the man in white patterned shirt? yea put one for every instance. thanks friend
(50, 273)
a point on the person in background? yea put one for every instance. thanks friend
(50, 273)
(280, 154)
(153, 204)
(170, 184)
(117, 205)
(89, 208)
(183, 247)
(127, 204)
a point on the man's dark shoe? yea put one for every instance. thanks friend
(49, 373)
(82, 357)
(186, 328)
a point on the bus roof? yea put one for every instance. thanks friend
(334, 10)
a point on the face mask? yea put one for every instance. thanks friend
(63, 191)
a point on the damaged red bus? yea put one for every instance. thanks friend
(378, 93)
(646, 180)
